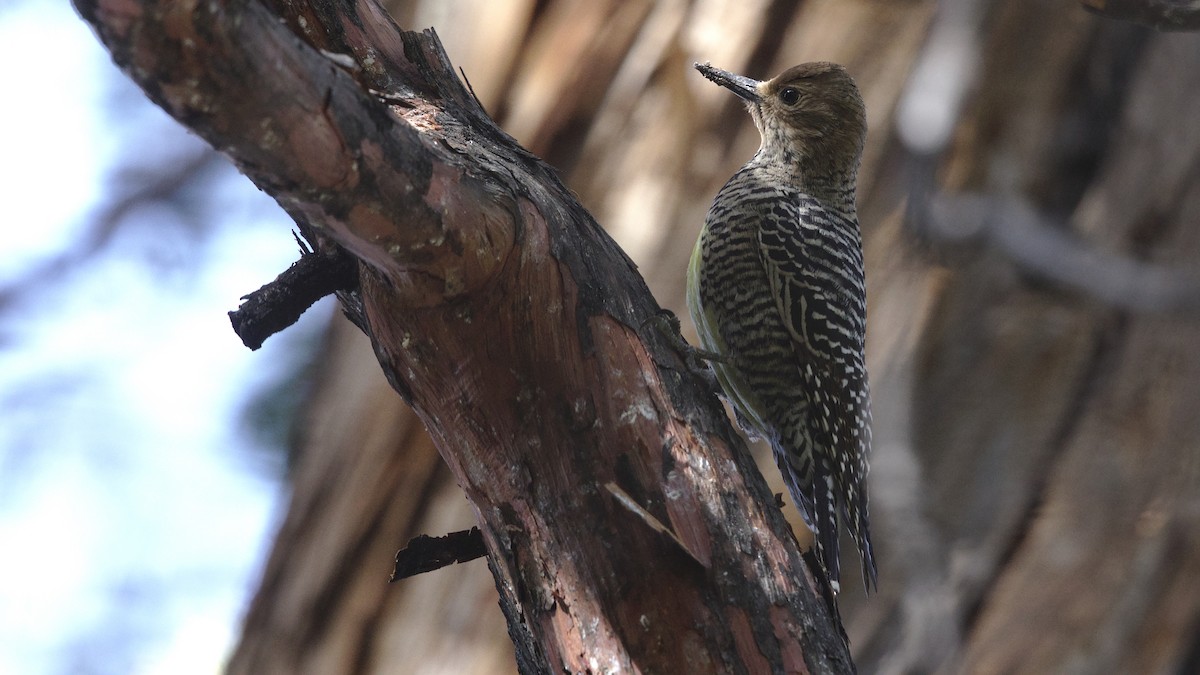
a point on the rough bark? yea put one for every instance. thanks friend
(518, 332)
(1035, 483)
(985, 364)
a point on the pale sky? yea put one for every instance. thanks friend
(134, 509)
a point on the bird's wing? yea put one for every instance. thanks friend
(813, 258)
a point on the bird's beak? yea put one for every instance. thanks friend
(744, 87)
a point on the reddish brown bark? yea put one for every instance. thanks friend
(514, 326)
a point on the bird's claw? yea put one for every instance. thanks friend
(668, 325)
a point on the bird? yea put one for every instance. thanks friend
(777, 291)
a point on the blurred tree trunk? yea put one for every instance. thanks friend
(1037, 478)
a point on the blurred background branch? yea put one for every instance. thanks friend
(1160, 14)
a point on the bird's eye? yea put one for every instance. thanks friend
(789, 95)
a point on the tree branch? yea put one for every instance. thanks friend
(425, 553)
(1160, 14)
(1046, 251)
(512, 323)
(280, 303)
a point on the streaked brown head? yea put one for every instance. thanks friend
(810, 116)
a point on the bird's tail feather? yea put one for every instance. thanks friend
(819, 512)
(860, 528)
(826, 530)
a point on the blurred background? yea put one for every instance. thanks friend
(142, 447)
(1030, 203)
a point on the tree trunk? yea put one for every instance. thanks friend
(1036, 481)
(626, 525)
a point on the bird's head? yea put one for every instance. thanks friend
(811, 116)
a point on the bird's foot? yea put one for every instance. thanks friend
(668, 325)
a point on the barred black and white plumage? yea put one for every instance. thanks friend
(777, 291)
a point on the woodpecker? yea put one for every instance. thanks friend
(777, 292)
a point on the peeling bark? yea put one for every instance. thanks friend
(516, 329)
